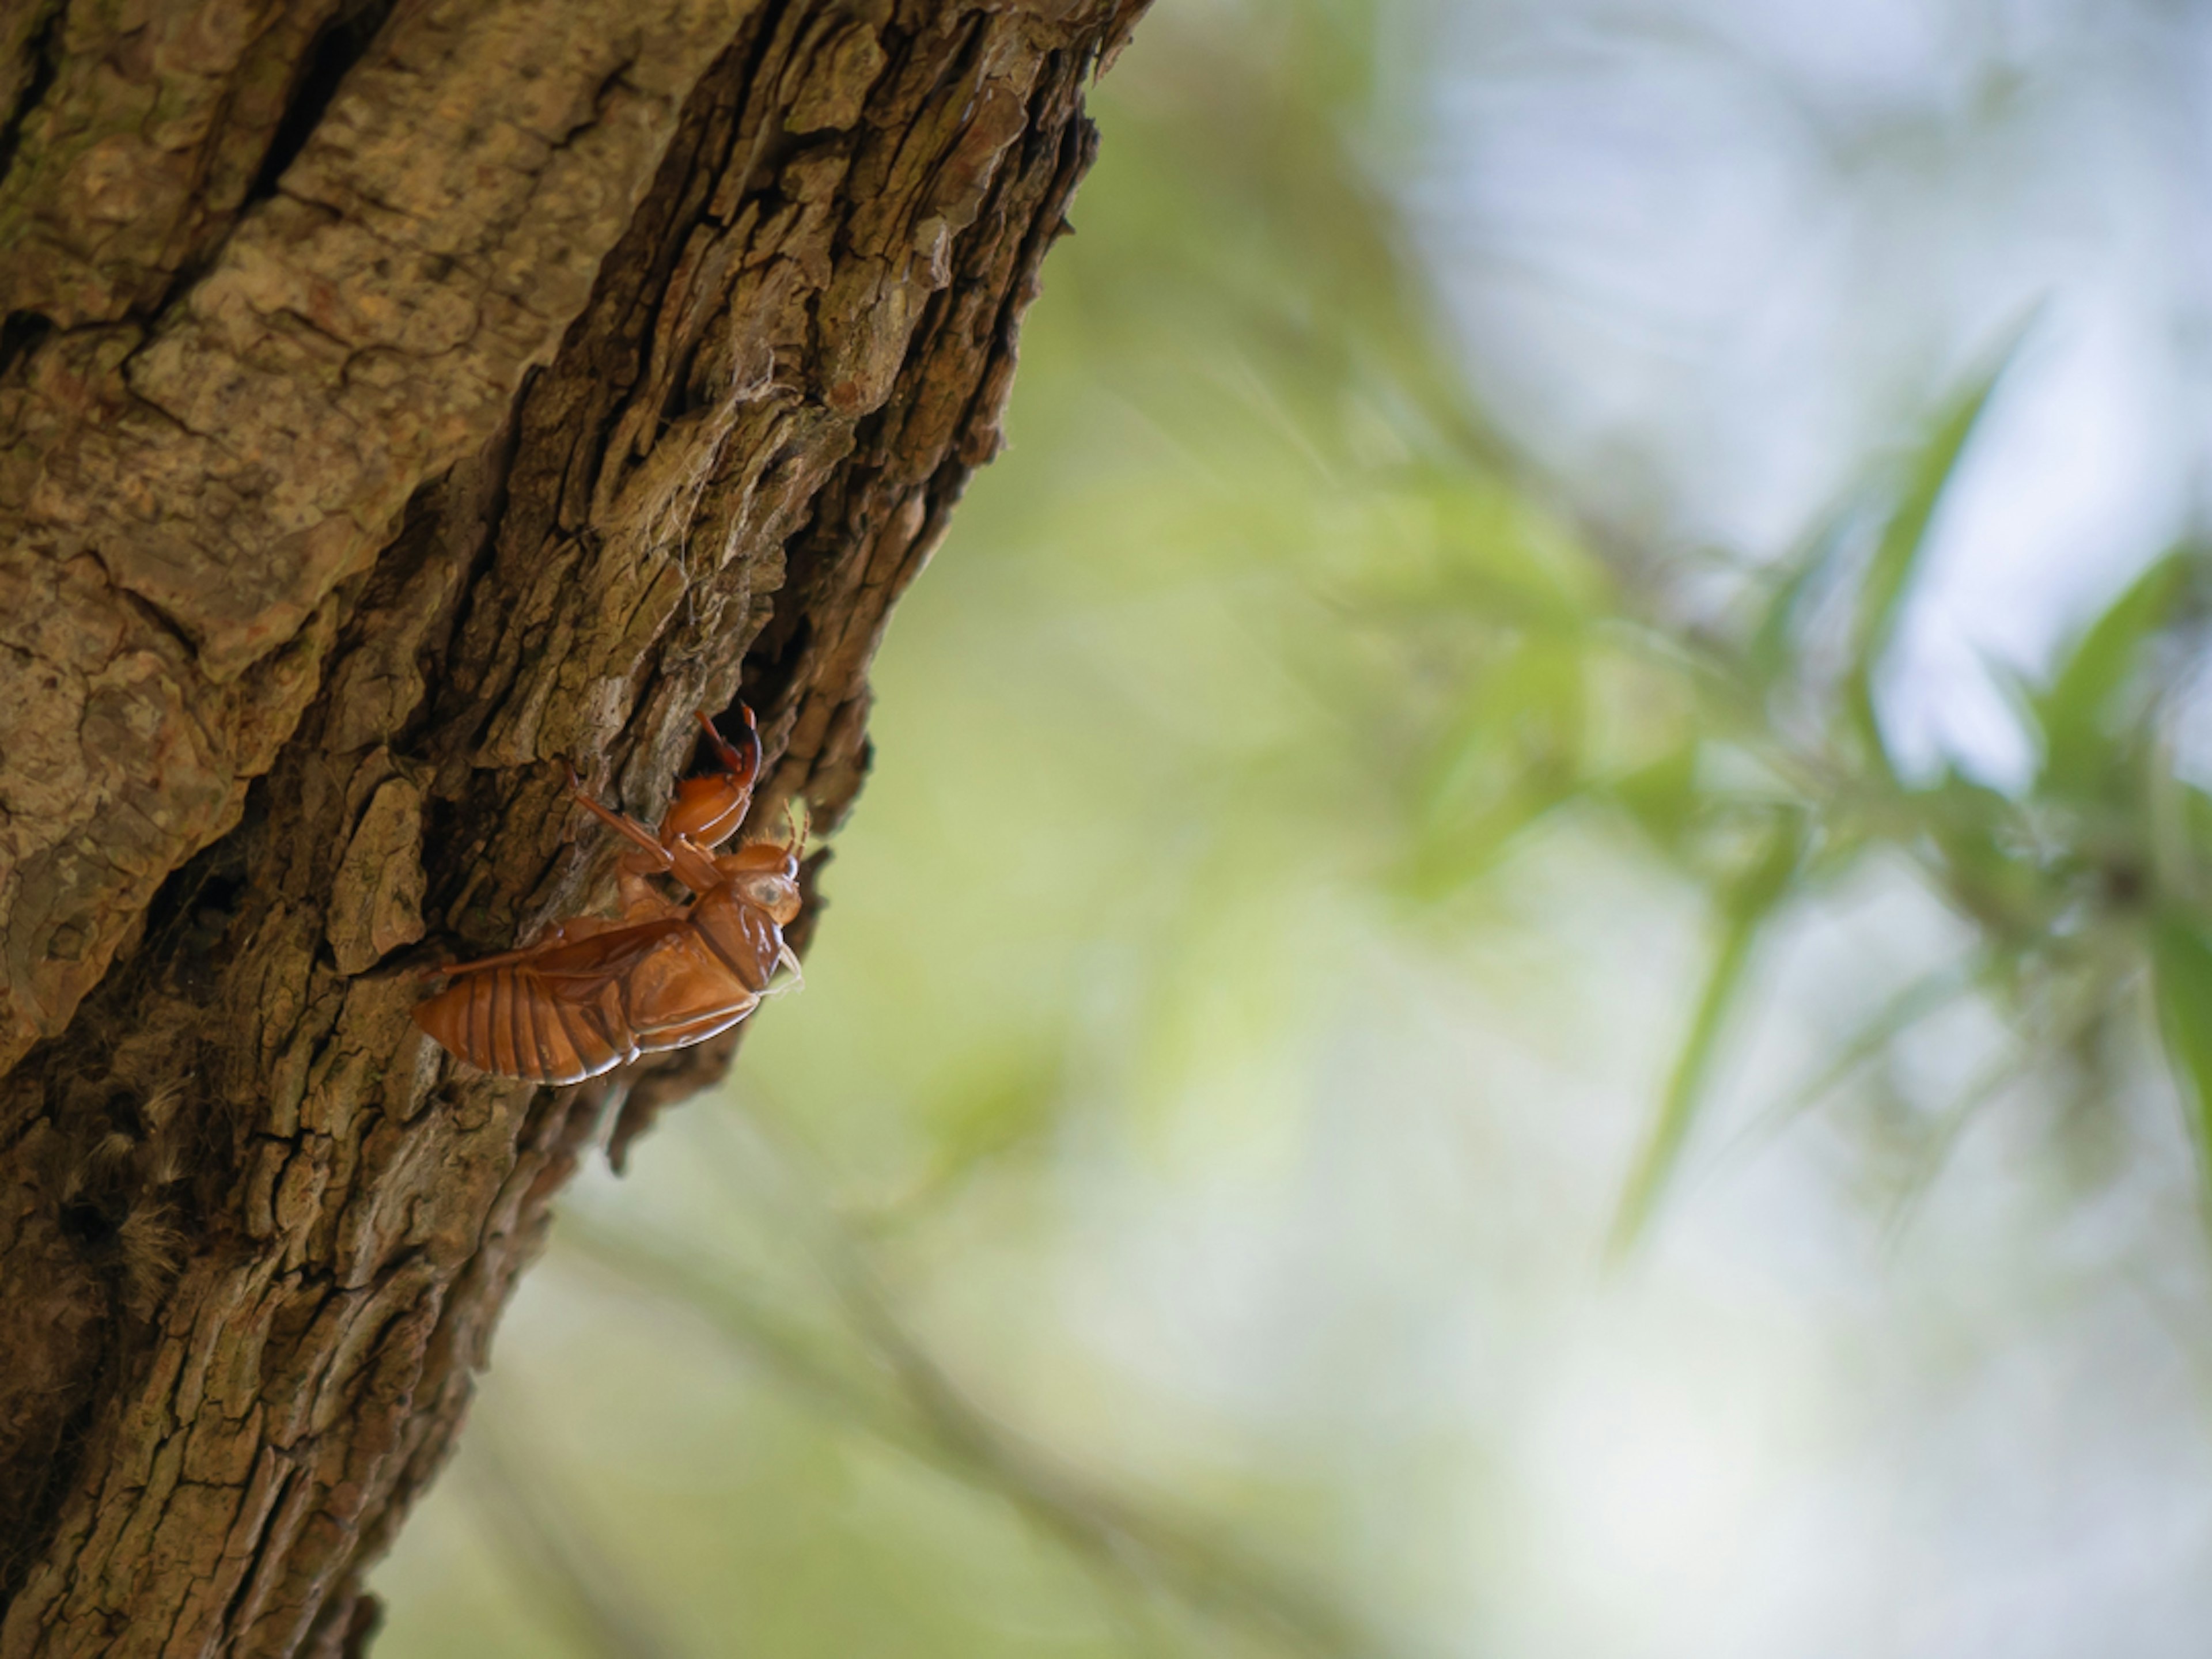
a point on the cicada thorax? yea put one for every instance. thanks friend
(705, 977)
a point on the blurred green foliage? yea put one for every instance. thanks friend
(1257, 641)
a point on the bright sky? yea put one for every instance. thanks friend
(1709, 255)
(1708, 258)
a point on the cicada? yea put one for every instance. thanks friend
(594, 992)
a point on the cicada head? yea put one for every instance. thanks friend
(776, 892)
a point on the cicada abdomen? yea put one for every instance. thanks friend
(517, 1022)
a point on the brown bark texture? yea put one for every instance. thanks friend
(399, 401)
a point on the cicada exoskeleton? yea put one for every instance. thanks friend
(593, 992)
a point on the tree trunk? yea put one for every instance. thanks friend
(400, 401)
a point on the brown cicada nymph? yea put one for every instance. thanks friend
(594, 992)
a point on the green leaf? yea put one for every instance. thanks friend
(1928, 994)
(1661, 796)
(1512, 752)
(1978, 844)
(1770, 649)
(1746, 906)
(1904, 540)
(2078, 710)
(2181, 968)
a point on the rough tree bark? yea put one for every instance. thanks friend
(400, 400)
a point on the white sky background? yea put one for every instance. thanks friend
(1711, 256)
(1709, 259)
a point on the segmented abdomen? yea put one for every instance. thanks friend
(507, 1020)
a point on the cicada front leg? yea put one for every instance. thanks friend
(708, 810)
(678, 856)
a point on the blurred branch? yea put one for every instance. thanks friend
(1745, 910)
(925, 1414)
(1925, 997)
(1482, 615)
(563, 1573)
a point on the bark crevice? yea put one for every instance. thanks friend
(41, 57)
(342, 41)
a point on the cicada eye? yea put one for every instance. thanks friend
(773, 891)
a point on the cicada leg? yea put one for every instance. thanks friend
(679, 856)
(708, 808)
(656, 856)
(786, 957)
(697, 1030)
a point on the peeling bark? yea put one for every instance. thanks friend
(400, 401)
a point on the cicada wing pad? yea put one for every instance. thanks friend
(575, 965)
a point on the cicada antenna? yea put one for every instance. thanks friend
(795, 828)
